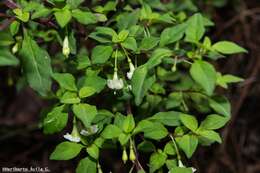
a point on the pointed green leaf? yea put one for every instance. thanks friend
(66, 151)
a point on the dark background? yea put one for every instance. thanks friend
(22, 144)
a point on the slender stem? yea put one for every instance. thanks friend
(175, 147)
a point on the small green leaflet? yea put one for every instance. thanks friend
(93, 151)
(129, 123)
(87, 165)
(55, 120)
(195, 28)
(66, 151)
(172, 35)
(101, 54)
(189, 121)
(111, 131)
(84, 17)
(224, 80)
(69, 98)
(213, 122)
(36, 65)
(157, 160)
(221, 105)
(188, 143)
(227, 47)
(66, 81)
(63, 16)
(171, 118)
(7, 58)
(205, 75)
(85, 112)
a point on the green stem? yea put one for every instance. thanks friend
(175, 147)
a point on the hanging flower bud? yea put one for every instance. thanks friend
(115, 83)
(15, 48)
(66, 47)
(124, 156)
(132, 154)
(131, 71)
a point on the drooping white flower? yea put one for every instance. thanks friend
(74, 136)
(66, 47)
(71, 138)
(131, 71)
(115, 83)
(92, 130)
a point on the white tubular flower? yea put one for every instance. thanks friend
(131, 71)
(115, 83)
(74, 136)
(92, 130)
(66, 47)
(71, 138)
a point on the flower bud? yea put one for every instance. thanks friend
(124, 156)
(132, 154)
(66, 47)
(15, 48)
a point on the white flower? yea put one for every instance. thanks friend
(72, 138)
(115, 83)
(66, 48)
(193, 169)
(92, 130)
(131, 71)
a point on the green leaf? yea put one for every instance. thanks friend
(129, 123)
(189, 121)
(171, 118)
(117, 38)
(74, 3)
(55, 120)
(195, 28)
(83, 60)
(148, 43)
(172, 35)
(7, 58)
(151, 130)
(130, 43)
(110, 132)
(205, 75)
(140, 83)
(96, 82)
(227, 47)
(70, 98)
(146, 146)
(210, 135)
(85, 112)
(169, 149)
(66, 151)
(157, 57)
(86, 91)
(93, 151)
(213, 122)
(223, 81)
(63, 16)
(22, 15)
(66, 81)
(188, 143)
(84, 17)
(101, 54)
(14, 27)
(221, 105)
(36, 65)
(157, 160)
(87, 165)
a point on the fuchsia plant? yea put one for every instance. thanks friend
(133, 73)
